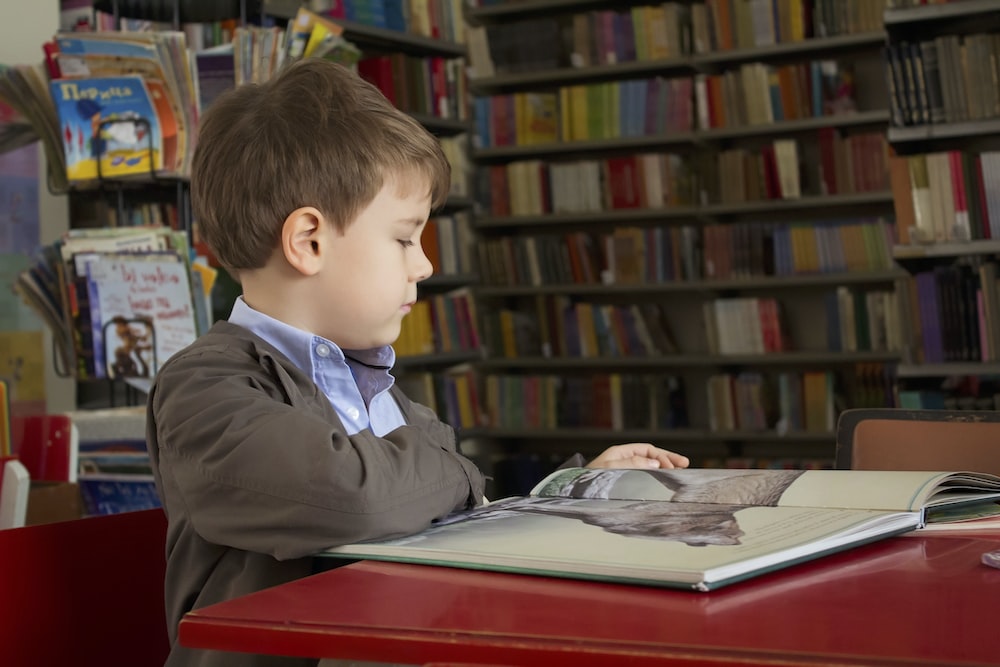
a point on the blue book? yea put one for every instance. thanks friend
(109, 127)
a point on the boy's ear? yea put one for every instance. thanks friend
(302, 236)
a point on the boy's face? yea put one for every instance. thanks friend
(370, 275)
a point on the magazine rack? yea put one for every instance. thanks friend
(118, 186)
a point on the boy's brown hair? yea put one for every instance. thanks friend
(315, 135)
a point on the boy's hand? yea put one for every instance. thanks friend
(638, 455)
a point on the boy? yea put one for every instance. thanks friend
(279, 432)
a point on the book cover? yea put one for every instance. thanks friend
(698, 529)
(109, 127)
(141, 311)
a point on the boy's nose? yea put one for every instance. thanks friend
(422, 268)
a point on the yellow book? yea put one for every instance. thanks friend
(579, 114)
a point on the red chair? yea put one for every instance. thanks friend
(87, 593)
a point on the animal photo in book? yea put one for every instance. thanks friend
(704, 513)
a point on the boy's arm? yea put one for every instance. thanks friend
(265, 466)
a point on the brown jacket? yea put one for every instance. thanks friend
(257, 474)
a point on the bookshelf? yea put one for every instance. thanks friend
(945, 133)
(534, 238)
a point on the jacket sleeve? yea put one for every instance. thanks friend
(260, 462)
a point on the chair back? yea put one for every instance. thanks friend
(87, 592)
(899, 439)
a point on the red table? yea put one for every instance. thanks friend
(909, 600)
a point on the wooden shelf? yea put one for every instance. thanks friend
(927, 13)
(763, 283)
(442, 126)
(687, 360)
(685, 435)
(693, 137)
(785, 127)
(964, 130)
(949, 249)
(628, 144)
(437, 359)
(978, 368)
(706, 212)
(575, 75)
(815, 47)
(514, 10)
(448, 281)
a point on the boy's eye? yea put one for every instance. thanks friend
(406, 243)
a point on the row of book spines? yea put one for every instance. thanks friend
(603, 400)
(533, 187)
(863, 320)
(671, 30)
(954, 314)
(757, 93)
(633, 255)
(456, 151)
(199, 35)
(745, 325)
(847, 165)
(721, 25)
(440, 323)
(437, 19)
(775, 170)
(937, 399)
(151, 214)
(789, 402)
(748, 401)
(454, 395)
(562, 328)
(463, 405)
(634, 108)
(447, 241)
(796, 249)
(650, 32)
(948, 79)
(946, 196)
(432, 85)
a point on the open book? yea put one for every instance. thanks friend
(692, 528)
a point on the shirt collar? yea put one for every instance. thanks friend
(370, 367)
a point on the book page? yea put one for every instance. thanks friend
(851, 489)
(635, 540)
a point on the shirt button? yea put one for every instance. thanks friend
(323, 350)
(353, 413)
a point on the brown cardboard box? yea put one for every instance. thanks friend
(49, 502)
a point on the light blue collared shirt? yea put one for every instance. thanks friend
(351, 383)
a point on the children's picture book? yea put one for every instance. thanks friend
(141, 311)
(109, 127)
(698, 529)
(115, 476)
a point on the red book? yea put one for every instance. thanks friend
(984, 217)
(45, 446)
(959, 195)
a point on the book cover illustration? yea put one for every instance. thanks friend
(109, 127)
(141, 311)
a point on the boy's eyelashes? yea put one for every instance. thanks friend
(406, 243)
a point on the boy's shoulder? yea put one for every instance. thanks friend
(224, 342)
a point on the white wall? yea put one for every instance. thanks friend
(24, 26)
